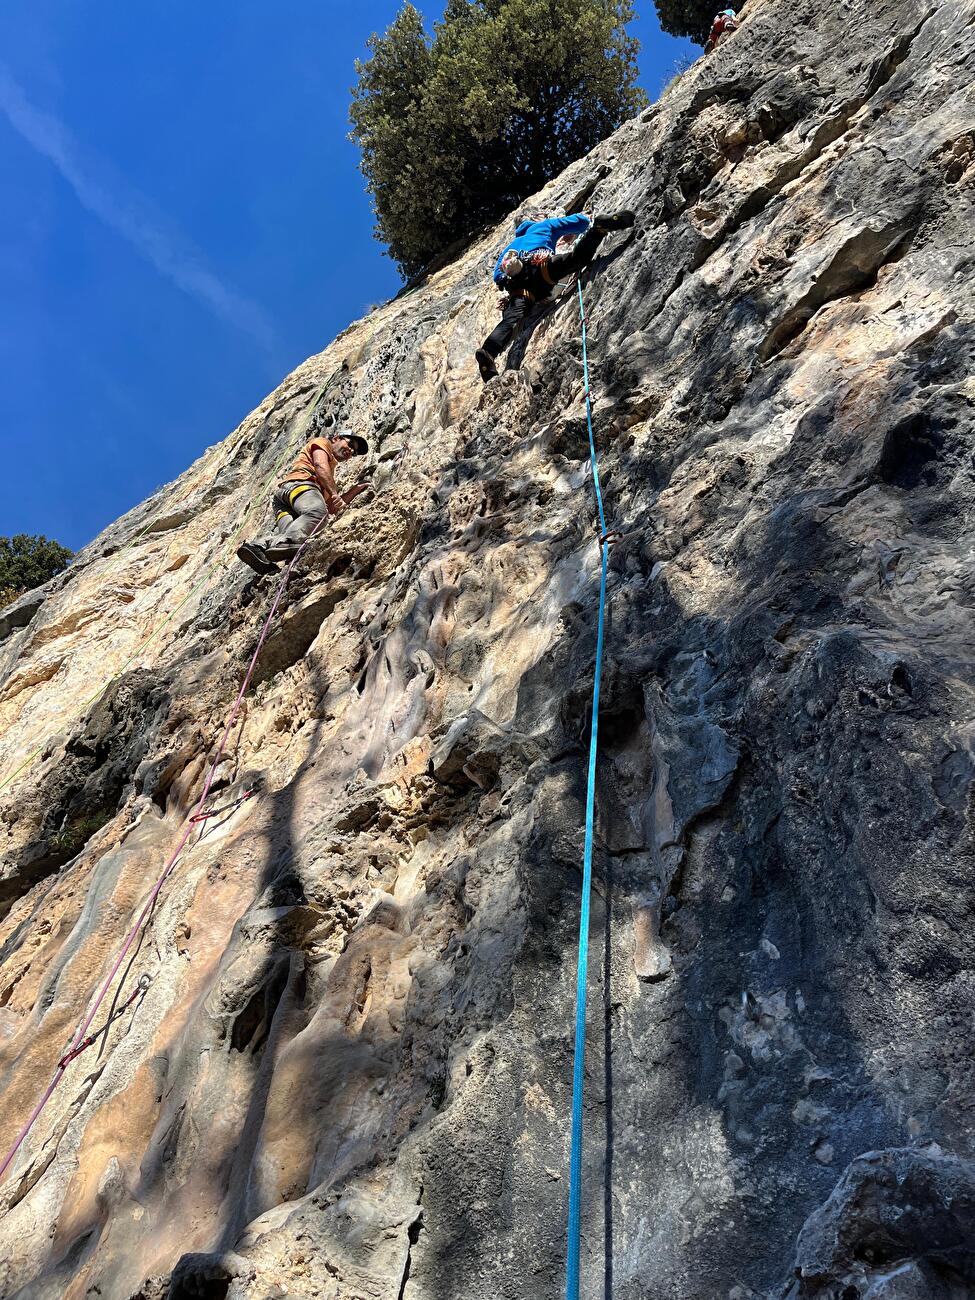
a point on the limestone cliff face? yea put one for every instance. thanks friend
(349, 1075)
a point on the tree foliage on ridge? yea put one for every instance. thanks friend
(27, 562)
(691, 18)
(458, 129)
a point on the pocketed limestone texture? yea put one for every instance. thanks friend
(349, 1076)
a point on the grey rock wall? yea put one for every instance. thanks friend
(350, 1074)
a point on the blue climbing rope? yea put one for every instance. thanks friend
(593, 458)
(578, 1065)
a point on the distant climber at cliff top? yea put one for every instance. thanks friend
(303, 498)
(725, 23)
(529, 267)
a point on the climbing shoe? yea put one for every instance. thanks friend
(283, 551)
(256, 556)
(485, 363)
(607, 221)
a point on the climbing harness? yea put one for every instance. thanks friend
(606, 539)
(201, 582)
(292, 496)
(79, 1042)
(541, 261)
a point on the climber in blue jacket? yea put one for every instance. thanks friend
(529, 267)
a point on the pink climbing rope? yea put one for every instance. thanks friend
(191, 822)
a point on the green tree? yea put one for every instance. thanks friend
(457, 129)
(691, 18)
(27, 562)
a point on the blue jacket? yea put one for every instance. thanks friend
(533, 235)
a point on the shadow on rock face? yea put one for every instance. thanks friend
(83, 791)
(208, 1277)
(900, 1225)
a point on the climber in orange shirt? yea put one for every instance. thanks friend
(304, 497)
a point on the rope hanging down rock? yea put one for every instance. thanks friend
(578, 1066)
(193, 819)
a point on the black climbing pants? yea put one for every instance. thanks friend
(531, 281)
(515, 311)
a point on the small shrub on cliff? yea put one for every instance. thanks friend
(27, 562)
(457, 130)
(683, 63)
(75, 834)
(691, 18)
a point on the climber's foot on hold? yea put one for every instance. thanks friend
(485, 363)
(285, 552)
(607, 221)
(256, 556)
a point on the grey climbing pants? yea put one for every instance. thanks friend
(296, 515)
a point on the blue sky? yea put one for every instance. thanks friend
(183, 223)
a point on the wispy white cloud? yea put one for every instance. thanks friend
(107, 195)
